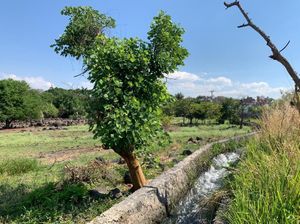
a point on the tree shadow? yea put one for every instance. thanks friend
(49, 203)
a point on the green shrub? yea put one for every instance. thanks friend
(18, 166)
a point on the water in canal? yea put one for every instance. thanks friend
(191, 209)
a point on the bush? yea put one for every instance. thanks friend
(93, 172)
(18, 166)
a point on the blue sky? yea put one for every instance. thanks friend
(232, 61)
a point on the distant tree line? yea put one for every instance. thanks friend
(216, 110)
(18, 102)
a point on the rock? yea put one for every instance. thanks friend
(121, 161)
(100, 159)
(175, 161)
(98, 194)
(127, 178)
(115, 193)
(57, 123)
(186, 152)
(190, 140)
(162, 166)
(39, 124)
(199, 138)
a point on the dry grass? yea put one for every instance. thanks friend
(280, 124)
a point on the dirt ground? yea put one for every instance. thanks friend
(66, 155)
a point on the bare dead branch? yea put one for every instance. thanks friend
(231, 4)
(276, 54)
(82, 73)
(287, 44)
(243, 25)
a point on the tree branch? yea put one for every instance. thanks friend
(276, 54)
(82, 73)
(243, 25)
(287, 44)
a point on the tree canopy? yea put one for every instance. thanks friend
(85, 24)
(18, 102)
(127, 74)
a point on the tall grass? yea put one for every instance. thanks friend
(18, 166)
(266, 186)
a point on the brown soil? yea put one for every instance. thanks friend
(65, 155)
(20, 129)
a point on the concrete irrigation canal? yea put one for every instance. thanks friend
(195, 206)
(180, 195)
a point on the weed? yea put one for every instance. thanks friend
(93, 172)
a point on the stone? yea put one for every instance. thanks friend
(115, 193)
(186, 152)
(127, 178)
(199, 138)
(162, 166)
(175, 161)
(190, 140)
(100, 159)
(98, 194)
(121, 161)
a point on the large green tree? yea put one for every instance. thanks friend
(230, 111)
(127, 74)
(71, 103)
(18, 102)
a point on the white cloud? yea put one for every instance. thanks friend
(80, 85)
(183, 76)
(219, 81)
(35, 82)
(192, 85)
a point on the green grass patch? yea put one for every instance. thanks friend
(18, 166)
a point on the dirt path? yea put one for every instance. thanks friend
(67, 154)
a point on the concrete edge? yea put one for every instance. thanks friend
(153, 202)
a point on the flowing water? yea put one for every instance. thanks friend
(192, 209)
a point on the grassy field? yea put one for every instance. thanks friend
(36, 167)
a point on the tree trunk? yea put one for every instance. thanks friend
(7, 124)
(136, 172)
(242, 119)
